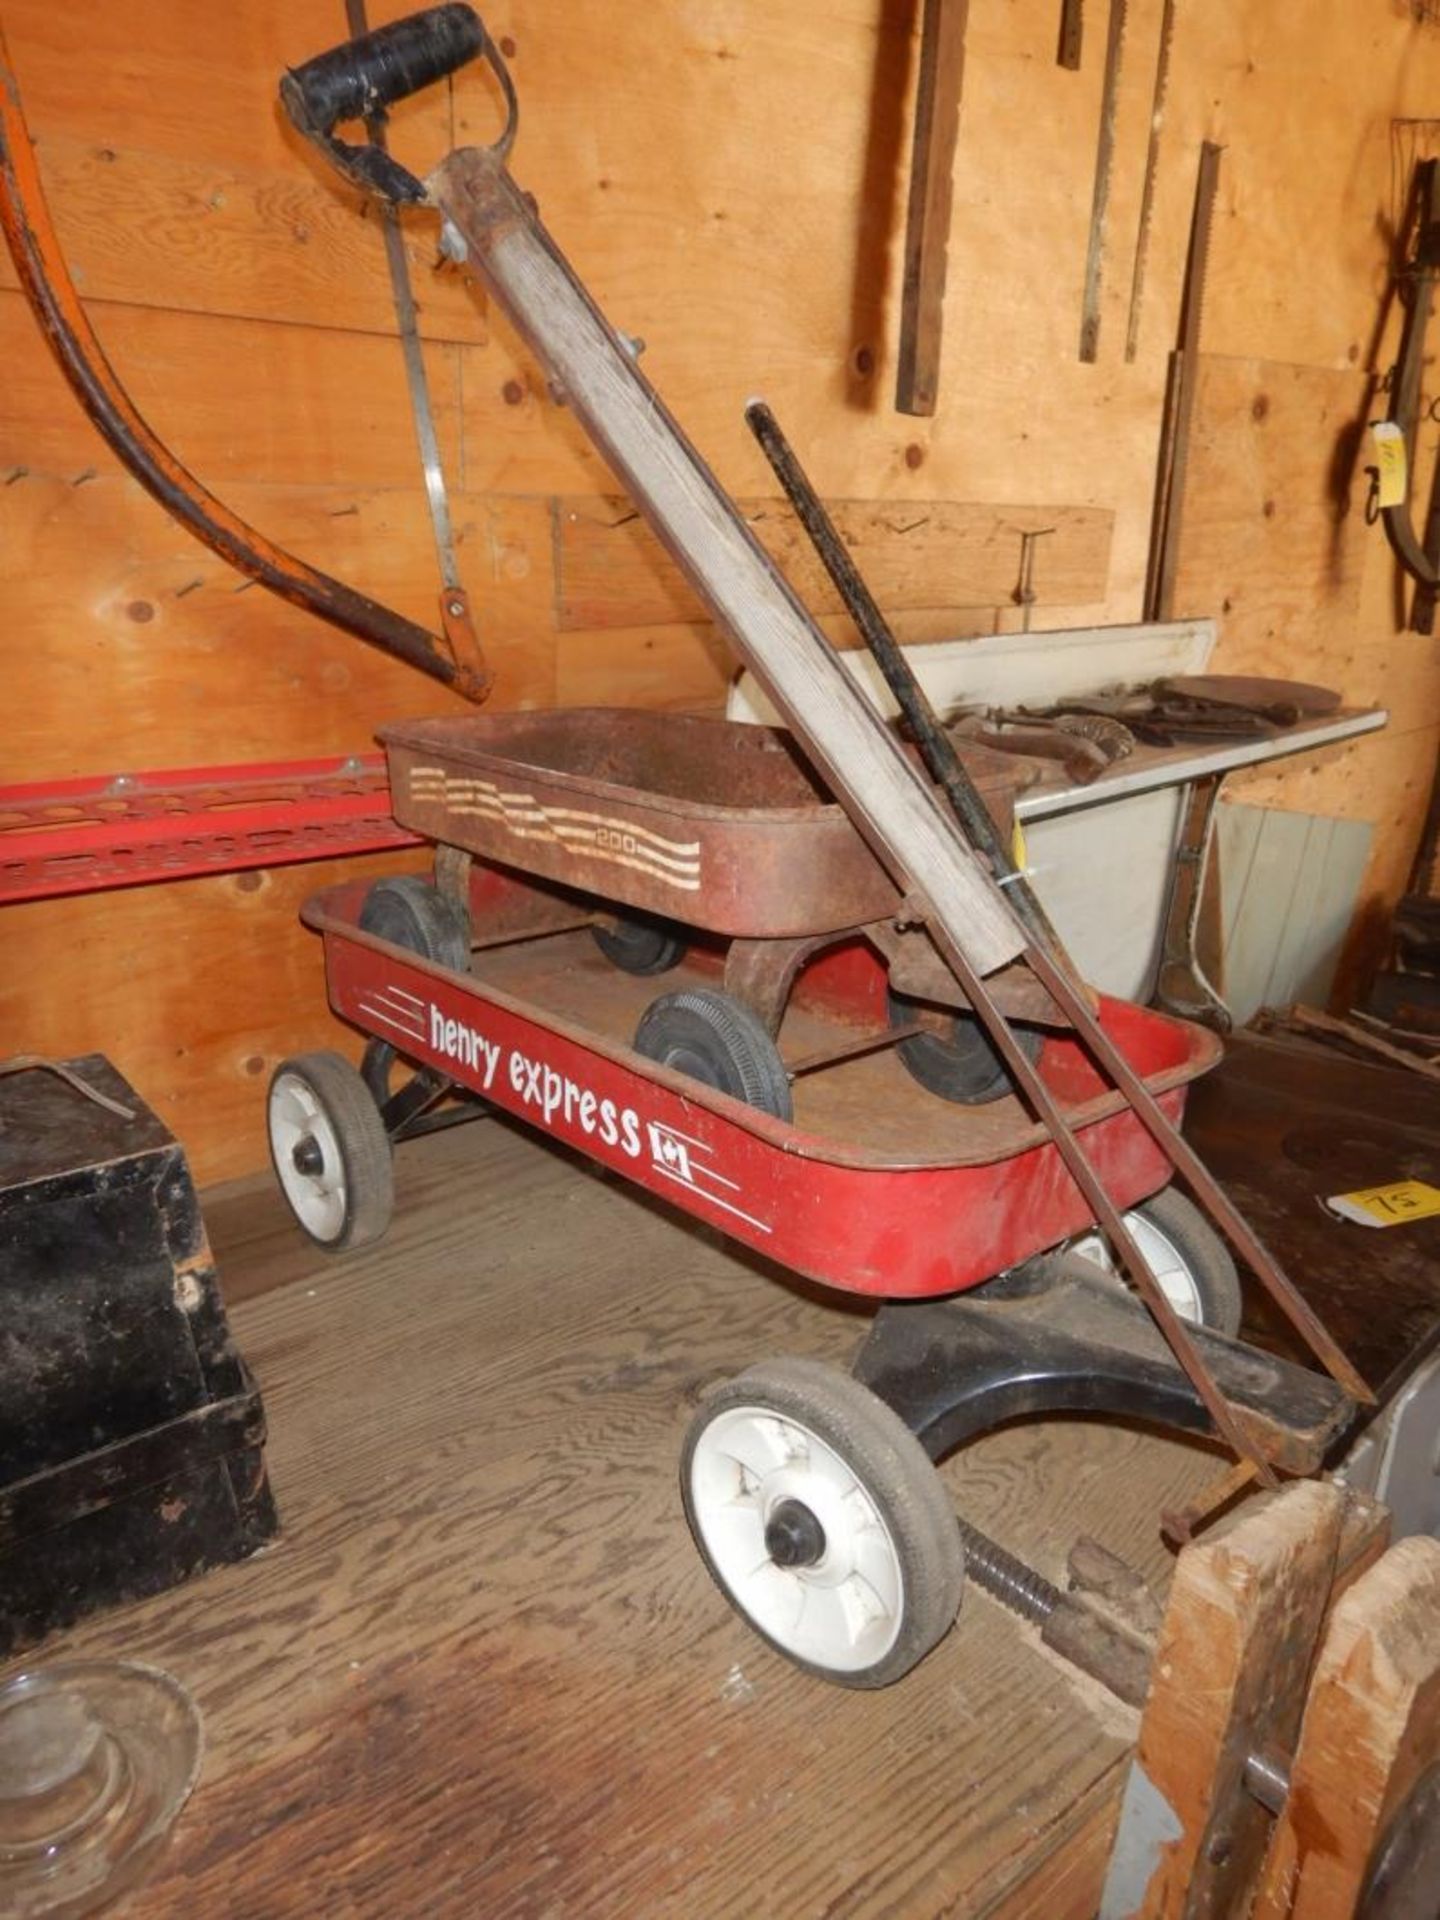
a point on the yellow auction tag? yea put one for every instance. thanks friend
(1394, 478)
(1391, 1206)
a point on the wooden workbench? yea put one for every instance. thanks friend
(483, 1671)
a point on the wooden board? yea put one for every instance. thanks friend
(1289, 883)
(939, 89)
(612, 572)
(483, 1670)
(192, 235)
(1274, 534)
(98, 578)
(1230, 1674)
(1371, 1731)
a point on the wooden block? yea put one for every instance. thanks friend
(1229, 1678)
(1371, 1730)
(612, 572)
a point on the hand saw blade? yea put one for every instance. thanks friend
(1152, 167)
(454, 601)
(1104, 167)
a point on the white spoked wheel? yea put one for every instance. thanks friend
(330, 1151)
(1187, 1257)
(823, 1521)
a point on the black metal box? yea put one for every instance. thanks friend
(131, 1433)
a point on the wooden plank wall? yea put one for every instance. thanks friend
(729, 176)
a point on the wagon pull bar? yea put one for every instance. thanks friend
(491, 225)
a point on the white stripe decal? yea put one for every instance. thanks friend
(713, 1199)
(591, 836)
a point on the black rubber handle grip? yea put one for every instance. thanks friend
(366, 75)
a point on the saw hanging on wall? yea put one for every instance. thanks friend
(451, 657)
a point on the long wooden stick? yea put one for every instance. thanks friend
(927, 225)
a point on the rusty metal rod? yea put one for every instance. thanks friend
(1202, 1182)
(948, 769)
(944, 766)
(1229, 1421)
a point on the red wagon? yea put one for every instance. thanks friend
(655, 939)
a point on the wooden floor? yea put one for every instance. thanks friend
(483, 1672)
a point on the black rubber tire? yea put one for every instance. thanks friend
(718, 1041)
(411, 912)
(1212, 1270)
(639, 945)
(377, 1064)
(362, 1143)
(899, 1480)
(960, 1065)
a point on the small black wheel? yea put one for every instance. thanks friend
(957, 1060)
(1187, 1257)
(411, 912)
(330, 1151)
(639, 945)
(823, 1521)
(718, 1041)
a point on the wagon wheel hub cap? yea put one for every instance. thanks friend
(308, 1158)
(794, 1536)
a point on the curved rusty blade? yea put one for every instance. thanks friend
(45, 279)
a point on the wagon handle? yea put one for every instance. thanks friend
(359, 79)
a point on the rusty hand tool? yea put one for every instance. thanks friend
(1417, 277)
(1104, 169)
(1152, 170)
(46, 283)
(1081, 759)
(1180, 399)
(456, 619)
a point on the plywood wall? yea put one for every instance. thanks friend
(729, 177)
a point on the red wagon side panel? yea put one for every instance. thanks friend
(811, 1204)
